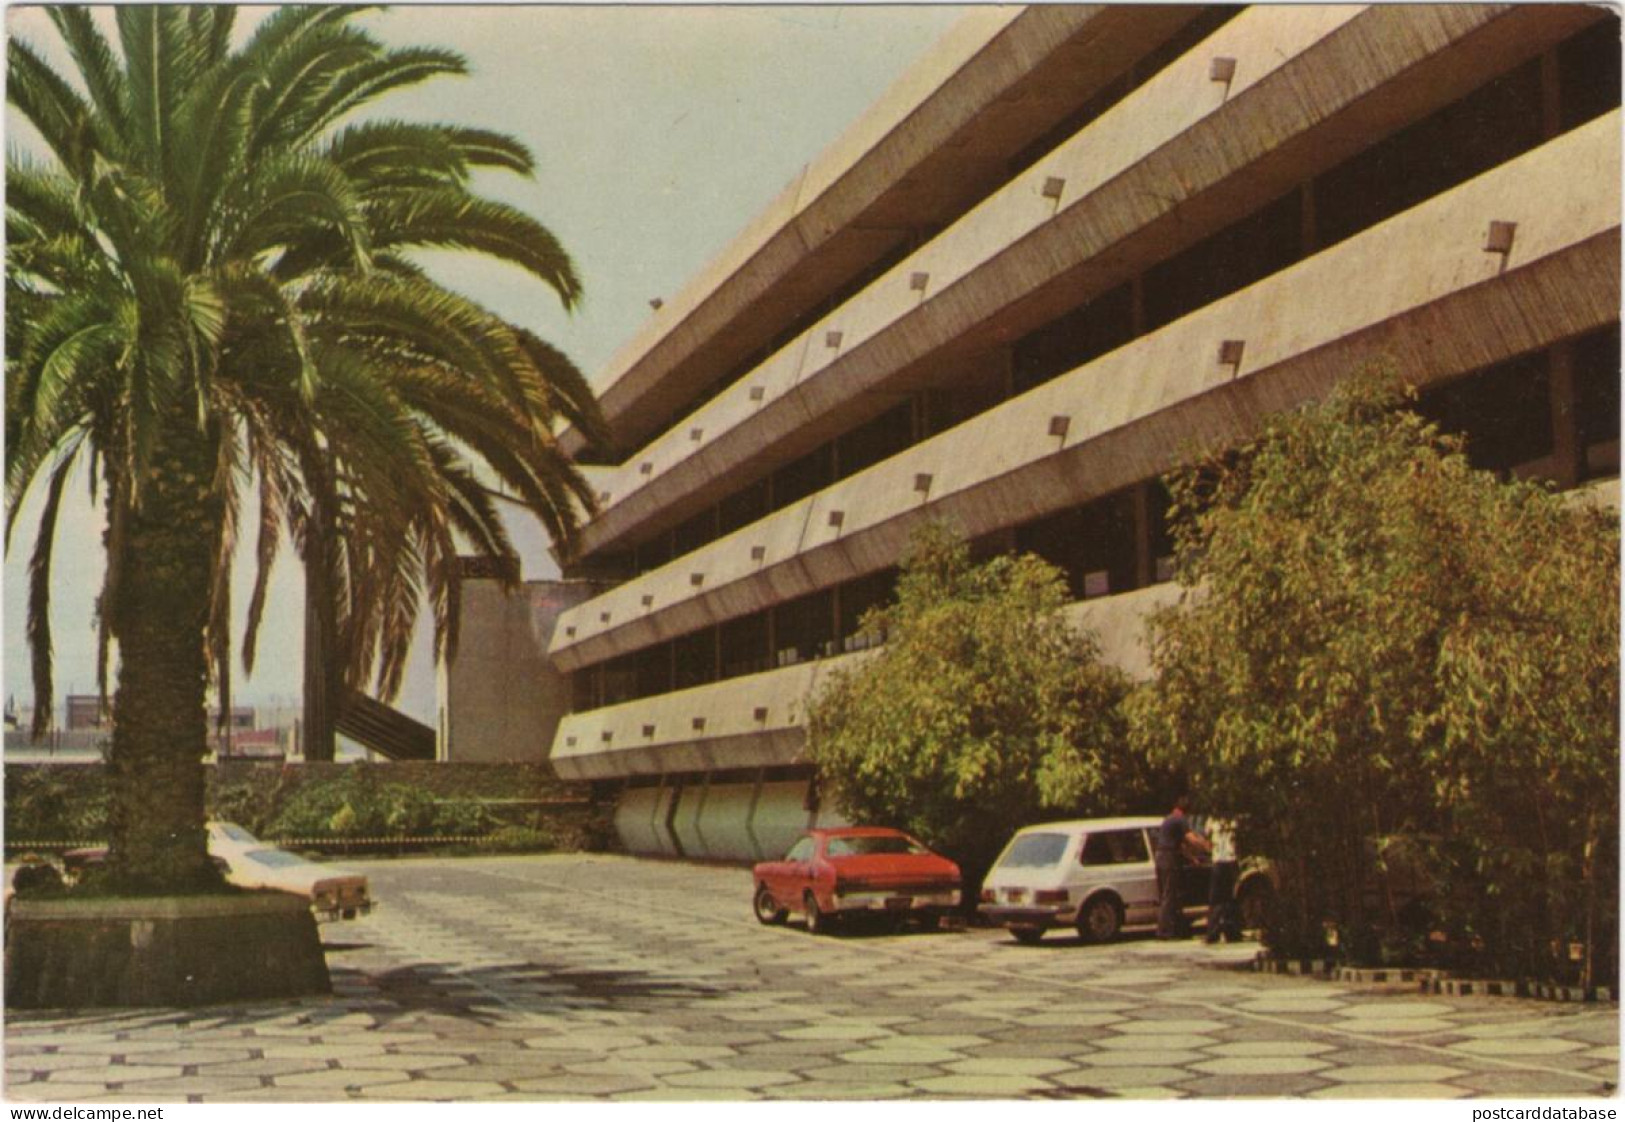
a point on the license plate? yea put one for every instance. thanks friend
(1015, 895)
(899, 903)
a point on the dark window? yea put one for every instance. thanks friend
(742, 508)
(696, 658)
(1504, 412)
(1496, 122)
(744, 645)
(1114, 847)
(694, 533)
(875, 440)
(1085, 333)
(857, 598)
(804, 628)
(1596, 389)
(800, 478)
(1588, 64)
(1264, 242)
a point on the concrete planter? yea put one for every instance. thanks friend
(175, 950)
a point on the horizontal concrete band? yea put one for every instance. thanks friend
(727, 709)
(1418, 290)
(1174, 162)
(994, 81)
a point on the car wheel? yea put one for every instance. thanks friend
(1100, 921)
(1254, 903)
(818, 922)
(1027, 936)
(767, 909)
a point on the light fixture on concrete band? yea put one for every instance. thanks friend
(696, 579)
(922, 482)
(648, 599)
(757, 393)
(1500, 238)
(698, 724)
(1222, 69)
(696, 435)
(570, 632)
(832, 339)
(1230, 352)
(645, 468)
(761, 713)
(1060, 425)
(836, 517)
(603, 617)
(1053, 186)
(607, 736)
(918, 281)
(757, 552)
(648, 732)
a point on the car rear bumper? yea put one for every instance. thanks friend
(1017, 915)
(897, 901)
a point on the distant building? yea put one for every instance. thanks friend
(85, 711)
(1071, 243)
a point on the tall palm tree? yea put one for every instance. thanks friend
(210, 293)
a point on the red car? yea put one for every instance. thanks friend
(854, 870)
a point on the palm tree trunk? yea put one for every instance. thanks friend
(160, 721)
(324, 661)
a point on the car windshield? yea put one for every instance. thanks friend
(868, 846)
(235, 833)
(1034, 851)
(276, 858)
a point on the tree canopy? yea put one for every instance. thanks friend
(1388, 664)
(210, 293)
(983, 711)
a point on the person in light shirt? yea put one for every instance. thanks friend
(1223, 913)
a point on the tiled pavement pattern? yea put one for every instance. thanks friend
(573, 977)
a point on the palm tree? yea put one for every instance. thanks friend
(210, 293)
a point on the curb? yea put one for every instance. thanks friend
(1428, 980)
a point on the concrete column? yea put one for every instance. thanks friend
(1568, 451)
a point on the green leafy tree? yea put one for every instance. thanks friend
(1401, 674)
(210, 293)
(984, 711)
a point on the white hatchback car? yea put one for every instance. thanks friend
(1095, 874)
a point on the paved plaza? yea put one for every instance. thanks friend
(596, 977)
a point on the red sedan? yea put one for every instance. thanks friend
(854, 870)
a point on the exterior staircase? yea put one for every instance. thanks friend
(385, 730)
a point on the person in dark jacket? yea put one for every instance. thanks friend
(1173, 836)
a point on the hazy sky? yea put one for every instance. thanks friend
(659, 132)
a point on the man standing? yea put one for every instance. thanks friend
(1173, 836)
(1223, 920)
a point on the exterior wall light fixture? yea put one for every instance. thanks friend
(832, 339)
(918, 281)
(1500, 238)
(1060, 425)
(607, 736)
(696, 579)
(696, 435)
(757, 393)
(1222, 70)
(922, 482)
(648, 600)
(603, 498)
(1054, 185)
(698, 724)
(646, 467)
(761, 713)
(603, 617)
(757, 552)
(570, 632)
(1230, 352)
(836, 517)
(649, 732)
(569, 742)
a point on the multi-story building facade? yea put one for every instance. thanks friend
(1071, 244)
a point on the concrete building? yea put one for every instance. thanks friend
(1070, 243)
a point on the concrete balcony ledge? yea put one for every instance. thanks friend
(1418, 290)
(759, 720)
(994, 81)
(1172, 163)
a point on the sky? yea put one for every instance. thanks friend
(658, 131)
